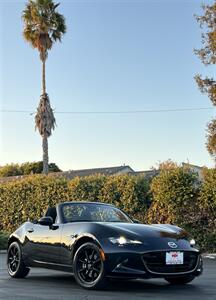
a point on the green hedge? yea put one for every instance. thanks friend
(28, 198)
(174, 193)
(206, 227)
(174, 196)
(3, 240)
(180, 198)
(129, 193)
(86, 188)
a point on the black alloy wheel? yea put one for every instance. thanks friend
(88, 266)
(15, 264)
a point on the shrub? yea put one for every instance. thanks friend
(3, 240)
(206, 229)
(86, 188)
(177, 198)
(28, 198)
(129, 193)
(174, 193)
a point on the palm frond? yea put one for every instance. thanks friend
(43, 25)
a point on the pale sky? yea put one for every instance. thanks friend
(116, 56)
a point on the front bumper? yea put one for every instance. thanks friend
(151, 264)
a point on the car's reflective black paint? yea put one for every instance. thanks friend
(55, 246)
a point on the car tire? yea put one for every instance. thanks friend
(15, 264)
(180, 280)
(88, 266)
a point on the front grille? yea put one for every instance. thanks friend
(155, 262)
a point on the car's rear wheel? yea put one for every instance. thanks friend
(88, 267)
(180, 280)
(15, 263)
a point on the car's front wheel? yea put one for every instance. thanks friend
(88, 267)
(180, 280)
(15, 264)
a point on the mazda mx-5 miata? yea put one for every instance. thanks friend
(97, 241)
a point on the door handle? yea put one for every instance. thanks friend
(72, 236)
(30, 230)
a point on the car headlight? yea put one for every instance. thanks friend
(122, 241)
(192, 242)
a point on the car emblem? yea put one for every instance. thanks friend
(172, 245)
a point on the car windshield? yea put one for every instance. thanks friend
(92, 212)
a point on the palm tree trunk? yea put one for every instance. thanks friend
(44, 137)
(45, 154)
(44, 77)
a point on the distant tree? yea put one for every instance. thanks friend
(211, 138)
(207, 55)
(10, 170)
(26, 169)
(54, 168)
(37, 168)
(32, 168)
(43, 26)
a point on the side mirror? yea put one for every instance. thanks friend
(46, 221)
(136, 221)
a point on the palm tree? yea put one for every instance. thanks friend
(43, 26)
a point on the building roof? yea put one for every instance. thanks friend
(79, 173)
(148, 174)
(103, 171)
(191, 166)
(87, 172)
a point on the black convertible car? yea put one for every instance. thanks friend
(97, 241)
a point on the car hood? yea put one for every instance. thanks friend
(143, 231)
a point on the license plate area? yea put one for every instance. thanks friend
(174, 258)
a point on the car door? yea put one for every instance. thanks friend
(68, 237)
(44, 243)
